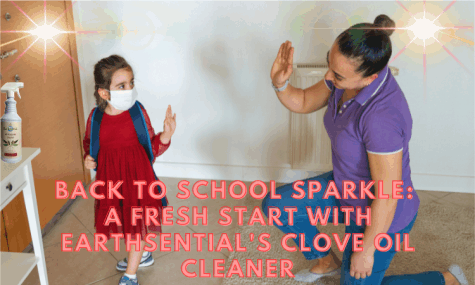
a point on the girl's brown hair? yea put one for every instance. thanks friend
(103, 72)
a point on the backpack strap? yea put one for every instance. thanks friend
(140, 125)
(141, 129)
(94, 139)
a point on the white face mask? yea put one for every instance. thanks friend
(123, 99)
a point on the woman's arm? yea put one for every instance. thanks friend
(383, 136)
(386, 168)
(297, 100)
(307, 100)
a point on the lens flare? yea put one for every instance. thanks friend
(45, 32)
(424, 29)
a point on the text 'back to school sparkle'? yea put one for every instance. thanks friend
(348, 188)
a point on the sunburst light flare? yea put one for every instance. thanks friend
(46, 32)
(424, 29)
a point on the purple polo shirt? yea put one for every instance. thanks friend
(378, 121)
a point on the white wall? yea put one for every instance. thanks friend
(211, 61)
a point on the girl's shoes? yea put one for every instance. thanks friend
(146, 260)
(127, 281)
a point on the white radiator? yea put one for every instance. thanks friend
(310, 147)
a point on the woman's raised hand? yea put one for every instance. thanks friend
(282, 67)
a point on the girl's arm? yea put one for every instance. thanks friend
(158, 147)
(87, 136)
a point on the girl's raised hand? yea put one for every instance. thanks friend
(282, 67)
(169, 125)
(89, 162)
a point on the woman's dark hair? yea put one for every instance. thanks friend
(368, 44)
(103, 72)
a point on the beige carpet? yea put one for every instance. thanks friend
(441, 235)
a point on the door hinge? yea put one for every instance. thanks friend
(8, 53)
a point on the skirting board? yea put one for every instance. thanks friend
(444, 183)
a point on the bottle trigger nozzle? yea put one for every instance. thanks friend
(11, 87)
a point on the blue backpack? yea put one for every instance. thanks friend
(142, 133)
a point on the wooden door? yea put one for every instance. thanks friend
(50, 107)
(4, 242)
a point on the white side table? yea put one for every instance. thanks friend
(18, 177)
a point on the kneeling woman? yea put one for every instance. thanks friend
(369, 124)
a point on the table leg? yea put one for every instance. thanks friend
(34, 222)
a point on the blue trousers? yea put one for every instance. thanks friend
(301, 224)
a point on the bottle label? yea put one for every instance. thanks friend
(11, 139)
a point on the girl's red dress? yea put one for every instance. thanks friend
(121, 157)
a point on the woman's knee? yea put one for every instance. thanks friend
(273, 202)
(284, 198)
(266, 203)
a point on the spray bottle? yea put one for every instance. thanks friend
(11, 125)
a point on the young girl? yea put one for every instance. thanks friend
(121, 145)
